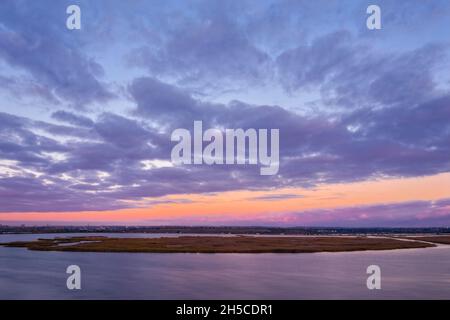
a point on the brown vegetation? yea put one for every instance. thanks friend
(217, 244)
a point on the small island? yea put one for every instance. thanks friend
(221, 244)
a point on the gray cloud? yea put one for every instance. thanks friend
(73, 119)
(57, 64)
(351, 74)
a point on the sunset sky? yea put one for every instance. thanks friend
(86, 115)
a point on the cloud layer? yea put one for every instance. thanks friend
(104, 101)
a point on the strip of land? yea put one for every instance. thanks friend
(195, 230)
(217, 244)
(441, 239)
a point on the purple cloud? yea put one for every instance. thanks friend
(56, 63)
(380, 112)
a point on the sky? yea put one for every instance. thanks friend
(86, 115)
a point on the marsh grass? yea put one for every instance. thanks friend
(217, 244)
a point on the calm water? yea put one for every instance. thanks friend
(409, 274)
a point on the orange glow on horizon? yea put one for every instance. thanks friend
(248, 205)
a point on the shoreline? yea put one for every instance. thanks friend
(220, 244)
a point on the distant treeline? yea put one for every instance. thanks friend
(219, 230)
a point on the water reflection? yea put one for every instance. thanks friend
(412, 273)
